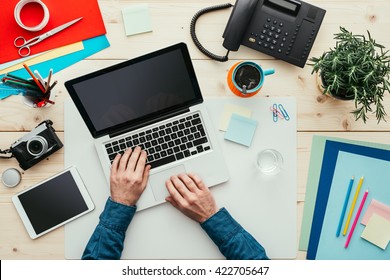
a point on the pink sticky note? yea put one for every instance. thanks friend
(378, 208)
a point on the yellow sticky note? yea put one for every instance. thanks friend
(377, 231)
(228, 111)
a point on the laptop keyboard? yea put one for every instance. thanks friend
(166, 143)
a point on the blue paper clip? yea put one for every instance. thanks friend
(275, 113)
(284, 112)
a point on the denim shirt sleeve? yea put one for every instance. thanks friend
(232, 240)
(107, 240)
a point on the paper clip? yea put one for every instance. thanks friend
(284, 112)
(276, 113)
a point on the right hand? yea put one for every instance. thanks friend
(191, 196)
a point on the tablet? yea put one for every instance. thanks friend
(53, 202)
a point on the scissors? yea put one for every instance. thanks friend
(24, 48)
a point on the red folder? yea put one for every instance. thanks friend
(60, 12)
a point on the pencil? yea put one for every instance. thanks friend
(19, 84)
(48, 80)
(34, 78)
(345, 206)
(53, 85)
(19, 78)
(356, 219)
(353, 205)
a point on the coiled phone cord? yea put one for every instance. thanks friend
(195, 38)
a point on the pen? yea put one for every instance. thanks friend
(34, 78)
(356, 219)
(353, 205)
(345, 206)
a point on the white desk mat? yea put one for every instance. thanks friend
(265, 206)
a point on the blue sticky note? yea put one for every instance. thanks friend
(241, 130)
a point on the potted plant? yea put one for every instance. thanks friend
(357, 68)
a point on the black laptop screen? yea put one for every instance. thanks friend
(136, 90)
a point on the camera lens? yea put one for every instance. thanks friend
(37, 146)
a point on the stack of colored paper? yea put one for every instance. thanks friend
(63, 49)
(333, 161)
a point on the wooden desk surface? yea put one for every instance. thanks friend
(317, 114)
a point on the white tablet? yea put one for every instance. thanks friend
(53, 202)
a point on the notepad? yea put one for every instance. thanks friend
(229, 110)
(241, 130)
(377, 231)
(378, 208)
(136, 19)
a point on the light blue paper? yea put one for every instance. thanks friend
(377, 181)
(91, 46)
(241, 130)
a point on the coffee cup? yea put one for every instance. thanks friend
(245, 78)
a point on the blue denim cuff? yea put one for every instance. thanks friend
(221, 226)
(117, 216)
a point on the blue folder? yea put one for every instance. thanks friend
(331, 152)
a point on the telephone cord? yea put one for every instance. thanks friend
(195, 38)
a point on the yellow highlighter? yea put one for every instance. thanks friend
(353, 205)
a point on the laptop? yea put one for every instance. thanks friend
(152, 101)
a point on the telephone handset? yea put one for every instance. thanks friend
(284, 29)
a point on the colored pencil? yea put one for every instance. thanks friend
(34, 78)
(356, 219)
(353, 205)
(53, 85)
(48, 80)
(345, 206)
(19, 79)
(19, 84)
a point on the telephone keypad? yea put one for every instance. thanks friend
(272, 35)
(273, 38)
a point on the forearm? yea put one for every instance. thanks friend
(233, 241)
(107, 240)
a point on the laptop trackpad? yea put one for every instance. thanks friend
(157, 181)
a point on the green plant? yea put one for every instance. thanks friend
(356, 68)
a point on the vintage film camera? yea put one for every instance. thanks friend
(36, 145)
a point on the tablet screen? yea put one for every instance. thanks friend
(53, 202)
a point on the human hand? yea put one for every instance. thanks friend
(191, 196)
(129, 176)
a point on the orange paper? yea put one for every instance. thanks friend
(60, 12)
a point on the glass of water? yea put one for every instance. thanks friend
(269, 161)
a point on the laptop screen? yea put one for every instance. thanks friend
(135, 91)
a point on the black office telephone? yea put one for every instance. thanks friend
(284, 29)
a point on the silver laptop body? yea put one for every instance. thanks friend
(152, 101)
